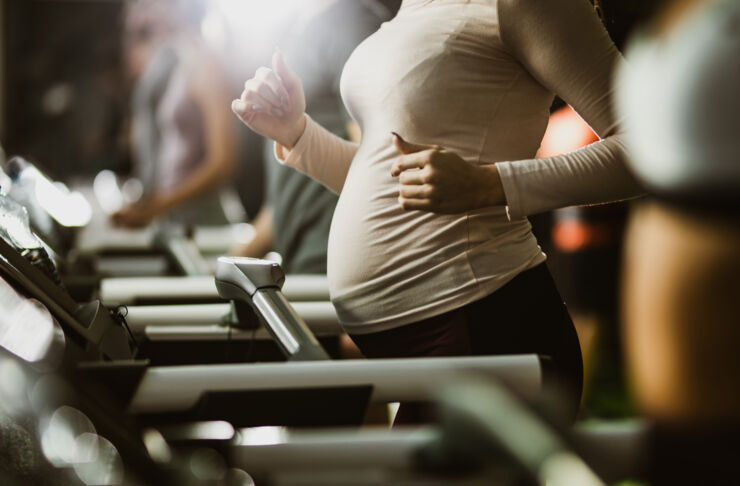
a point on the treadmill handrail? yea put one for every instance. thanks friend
(338, 449)
(321, 317)
(617, 450)
(179, 388)
(185, 254)
(127, 290)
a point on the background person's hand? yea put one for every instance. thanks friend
(135, 215)
(273, 104)
(437, 180)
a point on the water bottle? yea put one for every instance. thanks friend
(15, 229)
(23, 190)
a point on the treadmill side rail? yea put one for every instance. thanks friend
(179, 388)
(130, 290)
(320, 317)
(295, 450)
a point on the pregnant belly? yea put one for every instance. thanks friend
(389, 264)
(374, 243)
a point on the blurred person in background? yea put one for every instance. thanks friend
(296, 218)
(681, 290)
(149, 61)
(184, 141)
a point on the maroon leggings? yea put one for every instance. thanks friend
(527, 315)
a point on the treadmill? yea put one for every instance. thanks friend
(329, 392)
(485, 428)
(214, 331)
(486, 436)
(77, 426)
(76, 227)
(486, 432)
(59, 427)
(309, 391)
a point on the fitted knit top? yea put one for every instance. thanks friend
(476, 77)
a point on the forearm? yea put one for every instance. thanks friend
(594, 174)
(219, 161)
(564, 46)
(206, 178)
(321, 155)
(262, 241)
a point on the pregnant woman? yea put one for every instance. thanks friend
(430, 251)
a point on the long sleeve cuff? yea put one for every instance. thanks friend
(319, 154)
(292, 157)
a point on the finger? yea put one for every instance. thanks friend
(289, 80)
(415, 204)
(268, 94)
(239, 108)
(271, 79)
(255, 102)
(415, 192)
(412, 177)
(251, 107)
(265, 91)
(407, 147)
(244, 111)
(413, 161)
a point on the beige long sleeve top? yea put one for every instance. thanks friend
(476, 77)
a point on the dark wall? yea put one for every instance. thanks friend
(622, 17)
(64, 89)
(392, 5)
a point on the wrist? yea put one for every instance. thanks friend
(157, 205)
(295, 133)
(492, 190)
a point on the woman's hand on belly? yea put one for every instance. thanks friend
(273, 103)
(437, 180)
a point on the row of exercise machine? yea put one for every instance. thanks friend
(195, 379)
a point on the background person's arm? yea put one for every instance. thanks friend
(262, 242)
(209, 91)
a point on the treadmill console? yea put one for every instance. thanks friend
(248, 274)
(258, 282)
